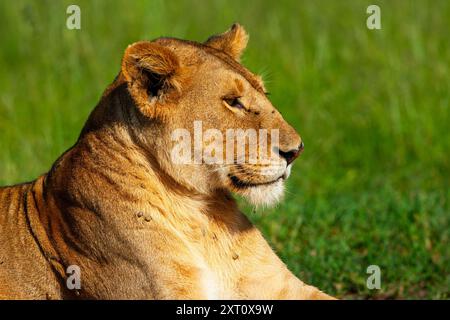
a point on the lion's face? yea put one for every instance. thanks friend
(213, 114)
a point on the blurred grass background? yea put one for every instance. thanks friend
(372, 106)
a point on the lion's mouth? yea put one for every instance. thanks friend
(240, 184)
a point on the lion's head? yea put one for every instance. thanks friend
(188, 90)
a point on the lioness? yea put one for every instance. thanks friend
(137, 224)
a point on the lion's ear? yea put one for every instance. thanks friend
(233, 41)
(152, 71)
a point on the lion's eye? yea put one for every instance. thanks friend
(234, 102)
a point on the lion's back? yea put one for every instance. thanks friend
(20, 257)
(11, 204)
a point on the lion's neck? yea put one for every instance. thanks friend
(115, 155)
(108, 195)
(107, 198)
(108, 173)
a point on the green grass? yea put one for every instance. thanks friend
(372, 186)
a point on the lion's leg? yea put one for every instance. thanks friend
(265, 276)
(281, 286)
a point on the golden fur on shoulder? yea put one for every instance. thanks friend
(138, 225)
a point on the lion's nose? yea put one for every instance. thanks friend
(293, 154)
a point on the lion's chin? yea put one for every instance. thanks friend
(264, 195)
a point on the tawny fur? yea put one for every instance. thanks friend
(138, 225)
